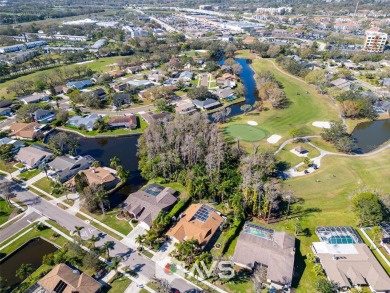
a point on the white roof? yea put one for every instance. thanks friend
(323, 247)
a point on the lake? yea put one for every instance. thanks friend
(370, 135)
(30, 253)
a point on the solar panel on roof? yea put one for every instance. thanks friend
(203, 213)
(60, 287)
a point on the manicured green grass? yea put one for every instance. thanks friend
(325, 200)
(290, 160)
(246, 54)
(304, 108)
(322, 144)
(5, 211)
(29, 174)
(245, 132)
(45, 184)
(101, 228)
(147, 253)
(9, 168)
(119, 285)
(100, 65)
(46, 234)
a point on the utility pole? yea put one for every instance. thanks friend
(357, 4)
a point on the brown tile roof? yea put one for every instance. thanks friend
(131, 120)
(75, 282)
(24, 130)
(191, 228)
(97, 176)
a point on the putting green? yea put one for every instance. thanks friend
(245, 132)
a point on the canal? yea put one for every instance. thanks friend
(30, 253)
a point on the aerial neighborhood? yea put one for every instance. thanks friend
(237, 146)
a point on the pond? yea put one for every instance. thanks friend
(370, 135)
(30, 253)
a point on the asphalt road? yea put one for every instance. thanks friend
(145, 267)
(18, 225)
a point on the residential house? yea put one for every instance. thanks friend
(133, 69)
(341, 83)
(99, 176)
(80, 84)
(44, 116)
(65, 279)
(16, 143)
(63, 168)
(123, 122)
(225, 94)
(116, 73)
(156, 77)
(151, 117)
(144, 205)
(386, 82)
(120, 87)
(186, 76)
(60, 89)
(98, 92)
(347, 261)
(206, 104)
(121, 99)
(199, 222)
(35, 98)
(146, 66)
(28, 131)
(140, 83)
(5, 111)
(88, 121)
(185, 107)
(33, 156)
(275, 250)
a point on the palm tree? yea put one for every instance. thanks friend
(95, 164)
(107, 246)
(24, 271)
(57, 99)
(93, 240)
(44, 167)
(122, 173)
(100, 197)
(115, 262)
(78, 230)
(377, 232)
(115, 162)
(140, 240)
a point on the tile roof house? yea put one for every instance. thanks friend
(35, 98)
(124, 121)
(199, 222)
(88, 121)
(185, 107)
(145, 204)
(273, 249)
(206, 104)
(64, 279)
(27, 131)
(99, 176)
(65, 167)
(43, 116)
(352, 264)
(33, 156)
(80, 84)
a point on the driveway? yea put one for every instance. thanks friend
(145, 267)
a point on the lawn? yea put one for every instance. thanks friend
(322, 144)
(245, 132)
(46, 185)
(29, 174)
(119, 285)
(100, 65)
(7, 167)
(289, 159)
(306, 106)
(5, 211)
(246, 54)
(326, 202)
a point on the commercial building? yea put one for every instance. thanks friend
(375, 41)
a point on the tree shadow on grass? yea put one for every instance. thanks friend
(299, 265)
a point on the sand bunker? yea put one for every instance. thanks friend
(274, 138)
(253, 123)
(321, 124)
